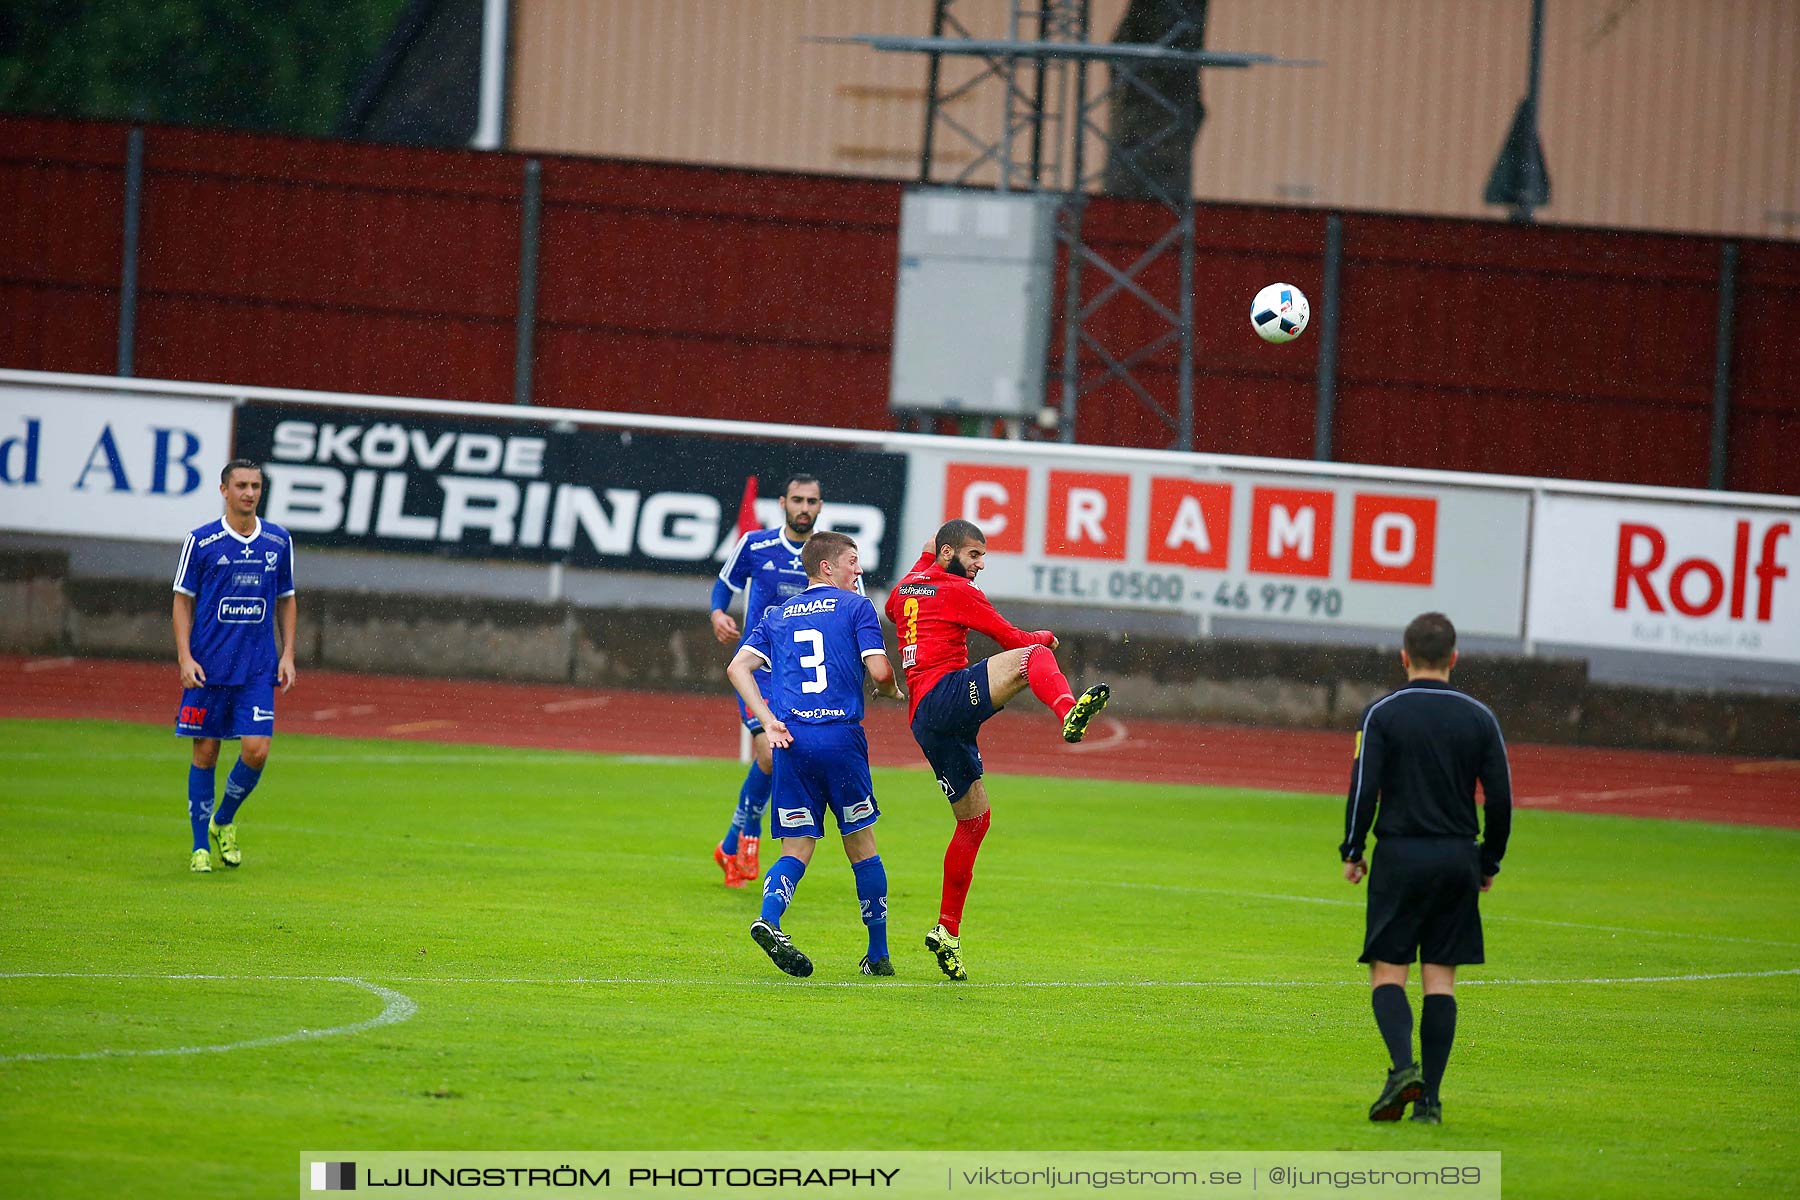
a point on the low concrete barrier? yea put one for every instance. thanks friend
(33, 608)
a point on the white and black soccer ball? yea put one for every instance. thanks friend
(1279, 313)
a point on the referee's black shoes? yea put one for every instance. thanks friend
(1404, 1085)
(1429, 1112)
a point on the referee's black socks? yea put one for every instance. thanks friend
(1393, 1016)
(1437, 1031)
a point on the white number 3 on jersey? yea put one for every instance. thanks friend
(815, 660)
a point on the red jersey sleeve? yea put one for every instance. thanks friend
(970, 607)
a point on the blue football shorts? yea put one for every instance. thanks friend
(242, 710)
(945, 725)
(826, 767)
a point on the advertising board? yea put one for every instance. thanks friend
(1299, 548)
(115, 465)
(548, 491)
(1707, 579)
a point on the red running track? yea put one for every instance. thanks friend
(1020, 741)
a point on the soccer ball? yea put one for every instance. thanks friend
(1279, 313)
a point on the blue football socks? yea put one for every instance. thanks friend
(746, 818)
(753, 797)
(778, 888)
(871, 894)
(200, 802)
(238, 786)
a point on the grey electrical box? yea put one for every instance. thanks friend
(972, 318)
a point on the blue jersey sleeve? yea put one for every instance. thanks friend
(284, 570)
(187, 569)
(736, 571)
(867, 628)
(758, 641)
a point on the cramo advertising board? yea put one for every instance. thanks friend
(1247, 541)
(1717, 579)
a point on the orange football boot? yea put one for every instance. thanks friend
(747, 865)
(729, 865)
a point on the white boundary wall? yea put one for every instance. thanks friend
(1655, 571)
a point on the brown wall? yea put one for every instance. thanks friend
(693, 291)
(1657, 114)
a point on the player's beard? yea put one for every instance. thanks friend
(802, 524)
(955, 566)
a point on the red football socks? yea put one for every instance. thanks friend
(1048, 683)
(959, 870)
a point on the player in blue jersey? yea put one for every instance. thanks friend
(765, 566)
(234, 594)
(817, 646)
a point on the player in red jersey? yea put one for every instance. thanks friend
(934, 606)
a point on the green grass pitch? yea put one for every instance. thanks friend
(1152, 968)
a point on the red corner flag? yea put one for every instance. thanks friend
(747, 521)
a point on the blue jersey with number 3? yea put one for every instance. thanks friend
(815, 644)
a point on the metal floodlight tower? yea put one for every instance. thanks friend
(1047, 117)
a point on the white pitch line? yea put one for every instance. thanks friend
(46, 664)
(397, 1008)
(714, 982)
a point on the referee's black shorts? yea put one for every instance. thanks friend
(1424, 902)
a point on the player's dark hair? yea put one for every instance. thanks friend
(242, 464)
(800, 478)
(1430, 641)
(826, 545)
(958, 533)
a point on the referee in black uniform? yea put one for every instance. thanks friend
(1419, 752)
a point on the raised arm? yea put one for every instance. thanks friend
(975, 610)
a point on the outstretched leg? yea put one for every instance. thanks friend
(1012, 671)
